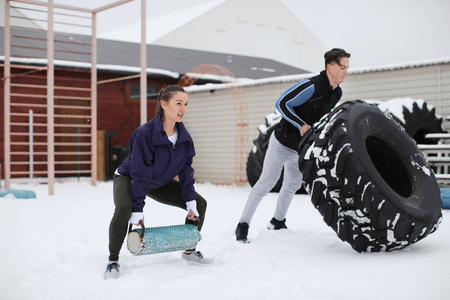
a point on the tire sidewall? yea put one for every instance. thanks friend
(368, 120)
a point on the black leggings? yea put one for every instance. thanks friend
(169, 194)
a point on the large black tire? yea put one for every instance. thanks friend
(368, 179)
(416, 117)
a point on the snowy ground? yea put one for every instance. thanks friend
(55, 247)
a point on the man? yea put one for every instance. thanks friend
(301, 106)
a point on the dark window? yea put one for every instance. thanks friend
(135, 92)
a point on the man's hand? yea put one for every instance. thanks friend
(304, 129)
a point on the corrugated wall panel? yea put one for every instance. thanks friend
(390, 84)
(428, 83)
(445, 93)
(210, 121)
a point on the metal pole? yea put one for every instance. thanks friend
(50, 102)
(143, 63)
(78, 152)
(7, 93)
(94, 100)
(31, 130)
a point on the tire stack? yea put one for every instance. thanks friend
(415, 116)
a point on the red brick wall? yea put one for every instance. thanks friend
(116, 111)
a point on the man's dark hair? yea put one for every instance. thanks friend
(335, 55)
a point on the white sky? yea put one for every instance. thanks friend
(375, 32)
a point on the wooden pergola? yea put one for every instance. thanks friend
(31, 118)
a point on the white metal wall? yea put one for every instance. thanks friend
(211, 122)
(267, 29)
(210, 118)
(430, 83)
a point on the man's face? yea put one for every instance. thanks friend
(338, 71)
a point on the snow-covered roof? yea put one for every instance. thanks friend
(74, 51)
(412, 64)
(290, 78)
(83, 65)
(247, 82)
(241, 82)
(172, 62)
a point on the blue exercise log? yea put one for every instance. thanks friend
(16, 193)
(23, 194)
(445, 196)
(152, 240)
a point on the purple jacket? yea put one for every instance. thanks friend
(153, 161)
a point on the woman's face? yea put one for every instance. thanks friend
(176, 107)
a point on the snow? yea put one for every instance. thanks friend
(55, 247)
(84, 65)
(288, 78)
(395, 106)
(403, 65)
(238, 82)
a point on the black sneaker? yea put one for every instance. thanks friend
(241, 232)
(112, 270)
(274, 224)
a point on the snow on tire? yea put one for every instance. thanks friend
(416, 116)
(368, 179)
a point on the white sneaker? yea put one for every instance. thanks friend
(112, 270)
(196, 258)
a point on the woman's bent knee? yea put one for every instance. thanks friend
(124, 210)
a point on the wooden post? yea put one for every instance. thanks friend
(50, 101)
(7, 92)
(143, 64)
(101, 166)
(94, 100)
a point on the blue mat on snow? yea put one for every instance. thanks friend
(23, 194)
(445, 196)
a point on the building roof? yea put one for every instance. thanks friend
(74, 51)
(269, 29)
(160, 25)
(298, 77)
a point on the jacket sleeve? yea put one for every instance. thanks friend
(295, 96)
(186, 177)
(141, 169)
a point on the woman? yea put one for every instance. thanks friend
(160, 150)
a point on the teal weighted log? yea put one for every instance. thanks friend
(22, 194)
(152, 240)
(445, 196)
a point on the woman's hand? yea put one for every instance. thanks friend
(191, 207)
(136, 217)
(191, 215)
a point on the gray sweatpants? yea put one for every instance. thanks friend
(277, 157)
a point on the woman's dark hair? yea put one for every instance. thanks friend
(165, 94)
(335, 55)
